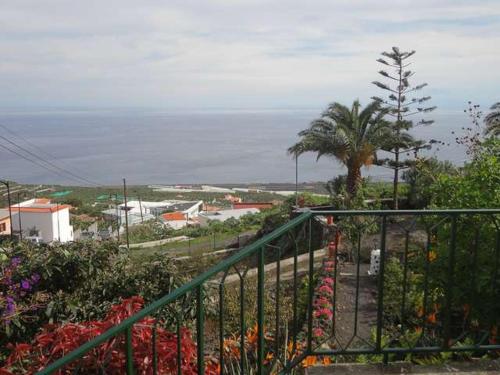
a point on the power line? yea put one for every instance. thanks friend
(31, 160)
(40, 149)
(63, 172)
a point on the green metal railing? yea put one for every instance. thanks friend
(431, 250)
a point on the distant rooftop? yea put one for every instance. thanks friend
(39, 205)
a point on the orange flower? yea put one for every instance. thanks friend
(290, 348)
(327, 360)
(269, 358)
(309, 361)
(432, 318)
(418, 330)
(231, 347)
(432, 256)
(252, 335)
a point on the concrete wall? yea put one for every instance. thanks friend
(5, 222)
(62, 229)
(46, 223)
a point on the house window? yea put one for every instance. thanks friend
(3, 227)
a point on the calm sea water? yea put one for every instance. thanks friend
(180, 147)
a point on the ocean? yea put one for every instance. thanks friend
(173, 147)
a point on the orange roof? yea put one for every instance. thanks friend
(49, 209)
(42, 201)
(174, 216)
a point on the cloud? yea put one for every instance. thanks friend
(245, 53)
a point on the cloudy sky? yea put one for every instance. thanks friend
(240, 53)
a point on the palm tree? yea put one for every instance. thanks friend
(352, 136)
(492, 121)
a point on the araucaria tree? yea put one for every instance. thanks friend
(401, 104)
(350, 135)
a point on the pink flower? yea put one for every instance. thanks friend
(325, 289)
(322, 302)
(328, 281)
(318, 332)
(323, 313)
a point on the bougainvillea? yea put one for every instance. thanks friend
(56, 341)
(18, 295)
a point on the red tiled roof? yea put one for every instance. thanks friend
(49, 209)
(174, 216)
(42, 201)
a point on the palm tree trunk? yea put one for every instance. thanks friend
(353, 180)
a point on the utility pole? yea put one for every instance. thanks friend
(140, 208)
(118, 217)
(58, 227)
(6, 183)
(126, 211)
(19, 216)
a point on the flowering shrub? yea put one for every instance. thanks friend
(56, 341)
(73, 283)
(19, 298)
(322, 305)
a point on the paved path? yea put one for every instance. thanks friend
(285, 264)
(479, 367)
(158, 242)
(346, 305)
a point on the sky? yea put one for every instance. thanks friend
(241, 53)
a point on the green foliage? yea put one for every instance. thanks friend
(401, 106)
(80, 281)
(149, 231)
(393, 292)
(350, 135)
(421, 176)
(120, 278)
(478, 184)
(492, 121)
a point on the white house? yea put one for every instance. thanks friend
(139, 212)
(42, 221)
(223, 215)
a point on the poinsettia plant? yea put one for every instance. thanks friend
(55, 341)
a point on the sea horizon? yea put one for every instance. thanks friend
(182, 146)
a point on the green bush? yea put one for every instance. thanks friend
(149, 231)
(80, 281)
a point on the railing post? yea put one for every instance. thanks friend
(129, 351)
(260, 313)
(221, 326)
(155, 351)
(380, 305)
(449, 285)
(179, 345)
(200, 322)
(310, 292)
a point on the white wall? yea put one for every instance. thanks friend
(176, 224)
(46, 224)
(63, 231)
(42, 221)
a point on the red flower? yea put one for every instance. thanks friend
(56, 341)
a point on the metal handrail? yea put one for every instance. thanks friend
(256, 248)
(188, 287)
